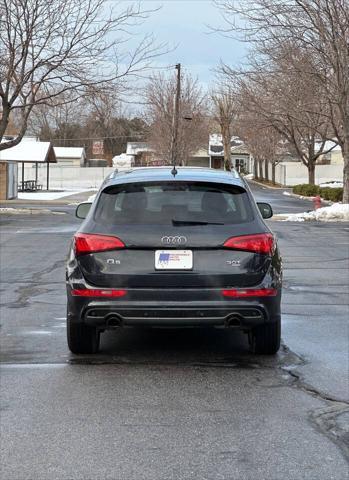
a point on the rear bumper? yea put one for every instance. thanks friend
(169, 316)
(174, 307)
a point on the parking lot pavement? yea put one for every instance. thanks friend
(174, 404)
(281, 203)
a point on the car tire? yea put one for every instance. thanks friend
(82, 338)
(265, 339)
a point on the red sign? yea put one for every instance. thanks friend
(97, 147)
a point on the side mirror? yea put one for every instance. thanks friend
(265, 209)
(82, 210)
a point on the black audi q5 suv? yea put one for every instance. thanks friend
(174, 248)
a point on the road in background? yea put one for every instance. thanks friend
(174, 404)
(281, 199)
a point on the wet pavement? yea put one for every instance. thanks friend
(174, 404)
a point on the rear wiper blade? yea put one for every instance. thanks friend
(193, 222)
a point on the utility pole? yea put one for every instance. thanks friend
(174, 146)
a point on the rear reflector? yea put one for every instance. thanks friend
(98, 293)
(90, 243)
(259, 292)
(260, 243)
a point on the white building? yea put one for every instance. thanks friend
(138, 153)
(199, 159)
(70, 156)
(240, 157)
(333, 157)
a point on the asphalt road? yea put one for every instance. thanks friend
(174, 404)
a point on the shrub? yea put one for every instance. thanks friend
(306, 189)
(327, 193)
(332, 194)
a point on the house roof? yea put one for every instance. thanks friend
(239, 150)
(69, 152)
(133, 148)
(29, 152)
(328, 145)
(215, 145)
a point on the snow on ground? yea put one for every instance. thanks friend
(331, 185)
(48, 195)
(27, 211)
(337, 212)
(92, 198)
(301, 197)
(249, 176)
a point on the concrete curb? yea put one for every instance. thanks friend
(311, 199)
(265, 185)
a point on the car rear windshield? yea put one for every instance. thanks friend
(175, 203)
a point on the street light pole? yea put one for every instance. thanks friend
(174, 149)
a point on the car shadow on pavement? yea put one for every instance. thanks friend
(177, 346)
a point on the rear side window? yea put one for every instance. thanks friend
(169, 203)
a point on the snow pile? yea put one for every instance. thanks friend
(92, 198)
(301, 197)
(249, 176)
(122, 161)
(331, 185)
(337, 212)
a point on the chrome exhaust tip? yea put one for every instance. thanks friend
(113, 320)
(233, 320)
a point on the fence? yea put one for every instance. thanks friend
(294, 173)
(68, 177)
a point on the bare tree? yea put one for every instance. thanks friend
(193, 128)
(46, 120)
(51, 50)
(104, 108)
(263, 141)
(320, 28)
(224, 112)
(293, 108)
(100, 116)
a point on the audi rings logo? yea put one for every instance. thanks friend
(176, 240)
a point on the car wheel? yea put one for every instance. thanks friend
(265, 339)
(82, 338)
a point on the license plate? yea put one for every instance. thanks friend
(173, 259)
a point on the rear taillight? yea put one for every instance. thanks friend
(90, 243)
(87, 292)
(249, 292)
(259, 243)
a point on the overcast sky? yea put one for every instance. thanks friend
(184, 23)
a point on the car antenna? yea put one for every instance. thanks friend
(177, 96)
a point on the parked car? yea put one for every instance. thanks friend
(159, 249)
